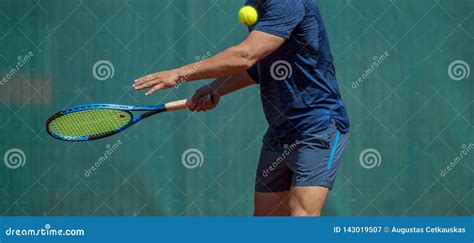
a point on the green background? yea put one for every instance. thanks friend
(409, 109)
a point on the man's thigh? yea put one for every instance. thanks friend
(307, 201)
(271, 204)
(304, 175)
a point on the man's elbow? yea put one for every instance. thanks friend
(244, 57)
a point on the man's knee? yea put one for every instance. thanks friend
(301, 212)
(307, 201)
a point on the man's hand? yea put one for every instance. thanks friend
(205, 98)
(157, 81)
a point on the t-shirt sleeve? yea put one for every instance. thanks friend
(279, 17)
(253, 73)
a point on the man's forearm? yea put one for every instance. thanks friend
(233, 60)
(224, 86)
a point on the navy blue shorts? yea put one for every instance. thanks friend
(310, 161)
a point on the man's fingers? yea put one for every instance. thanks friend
(145, 85)
(208, 104)
(202, 104)
(203, 100)
(155, 88)
(195, 100)
(145, 79)
(199, 105)
(196, 97)
(194, 103)
(198, 108)
(192, 106)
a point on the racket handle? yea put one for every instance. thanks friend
(176, 105)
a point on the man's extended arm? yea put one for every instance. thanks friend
(231, 61)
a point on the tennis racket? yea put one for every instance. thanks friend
(96, 121)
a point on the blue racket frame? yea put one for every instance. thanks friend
(150, 110)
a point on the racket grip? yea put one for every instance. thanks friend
(176, 105)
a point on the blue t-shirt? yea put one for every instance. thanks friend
(298, 83)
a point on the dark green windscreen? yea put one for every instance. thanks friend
(403, 69)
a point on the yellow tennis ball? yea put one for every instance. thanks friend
(248, 15)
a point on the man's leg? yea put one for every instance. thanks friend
(315, 171)
(272, 183)
(271, 204)
(307, 201)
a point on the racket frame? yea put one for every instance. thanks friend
(150, 111)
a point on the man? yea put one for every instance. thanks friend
(287, 52)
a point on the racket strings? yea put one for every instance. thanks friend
(91, 123)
